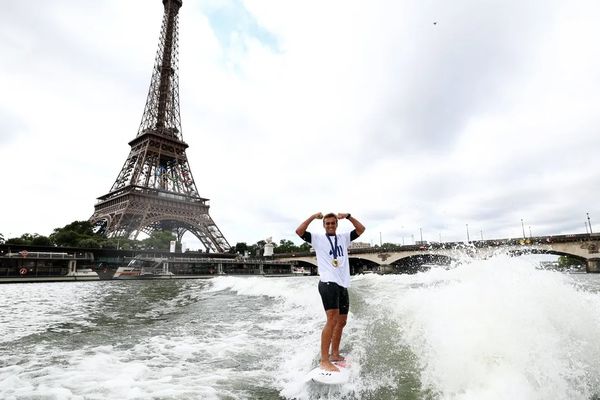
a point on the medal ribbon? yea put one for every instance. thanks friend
(334, 249)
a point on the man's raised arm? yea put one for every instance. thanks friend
(360, 228)
(304, 226)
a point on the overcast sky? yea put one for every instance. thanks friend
(413, 115)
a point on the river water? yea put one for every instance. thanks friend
(494, 329)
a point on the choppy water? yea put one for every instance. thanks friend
(495, 329)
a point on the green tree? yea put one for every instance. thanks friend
(65, 237)
(127, 244)
(304, 247)
(286, 246)
(241, 247)
(16, 240)
(29, 239)
(256, 250)
(121, 242)
(569, 262)
(158, 240)
(39, 240)
(90, 243)
(73, 233)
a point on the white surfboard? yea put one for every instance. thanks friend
(332, 377)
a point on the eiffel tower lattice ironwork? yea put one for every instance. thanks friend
(155, 189)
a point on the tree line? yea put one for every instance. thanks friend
(284, 246)
(81, 234)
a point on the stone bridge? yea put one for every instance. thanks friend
(584, 247)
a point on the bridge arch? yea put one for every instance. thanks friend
(359, 265)
(520, 253)
(418, 262)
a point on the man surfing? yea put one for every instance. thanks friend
(331, 250)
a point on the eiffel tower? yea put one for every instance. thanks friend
(155, 189)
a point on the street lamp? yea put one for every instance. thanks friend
(589, 222)
(468, 239)
(523, 226)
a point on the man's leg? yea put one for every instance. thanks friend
(344, 302)
(326, 336)
(337, 337)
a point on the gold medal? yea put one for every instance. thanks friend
(334, 251)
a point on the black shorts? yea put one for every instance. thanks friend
(334, 296)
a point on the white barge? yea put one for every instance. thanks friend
(42, 266)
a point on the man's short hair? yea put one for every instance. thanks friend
(330, 215)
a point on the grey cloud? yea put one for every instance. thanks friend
(47, 49)
(377, 216)
(456, 71)
(271, 214)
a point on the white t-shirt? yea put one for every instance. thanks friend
(323, 246)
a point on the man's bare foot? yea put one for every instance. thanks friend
(336, 357)
(328, 366)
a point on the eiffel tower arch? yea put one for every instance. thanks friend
(155, 189)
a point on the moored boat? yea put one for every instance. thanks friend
(41, 266)
(300, 271)
(156, 268)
